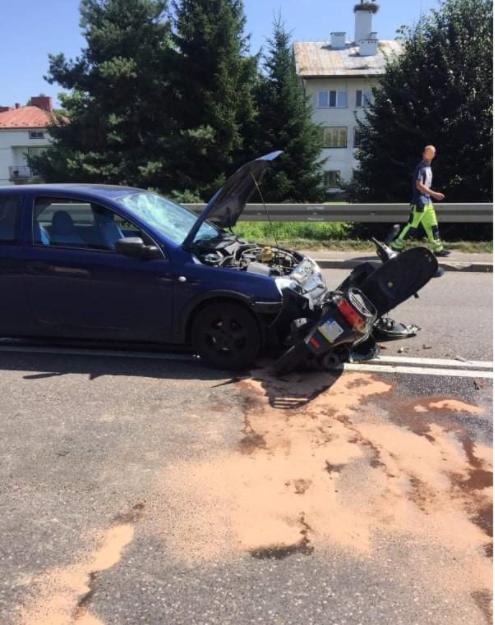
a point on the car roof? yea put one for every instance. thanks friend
(96, 190)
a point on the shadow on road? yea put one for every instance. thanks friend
(291, 391)
(296, 390)
(95, 366)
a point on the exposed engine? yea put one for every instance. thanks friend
(265, 260)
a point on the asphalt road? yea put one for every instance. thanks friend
(146, 491)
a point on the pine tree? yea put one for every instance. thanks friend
(214, 81)
(438, 91)
(284, 122)
(117, 122)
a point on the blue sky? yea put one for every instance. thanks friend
(31, 29)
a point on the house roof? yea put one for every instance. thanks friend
(26, 117)
(317, 59)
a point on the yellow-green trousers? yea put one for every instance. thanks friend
(425, 219)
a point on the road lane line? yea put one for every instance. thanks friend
(459, 373)
(399, 365)
(468, 364)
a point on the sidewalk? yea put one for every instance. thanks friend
(457, 261)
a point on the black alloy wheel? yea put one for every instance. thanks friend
(226, 335)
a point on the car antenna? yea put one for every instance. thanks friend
(272, 228)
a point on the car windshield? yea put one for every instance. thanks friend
(170, 219)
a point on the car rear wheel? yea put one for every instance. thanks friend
(226, 335)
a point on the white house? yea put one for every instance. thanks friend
(338, 76)
(23, 131)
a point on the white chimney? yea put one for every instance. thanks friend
(337, 41)
(368, 47)
(364, 20)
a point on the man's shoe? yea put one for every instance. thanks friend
(442, 253)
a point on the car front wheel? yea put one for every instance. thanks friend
(226, 335)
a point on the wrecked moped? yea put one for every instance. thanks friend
(352, 316)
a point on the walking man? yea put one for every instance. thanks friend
(422, 209)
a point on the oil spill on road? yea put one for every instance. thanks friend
(63, 595)
(357, 462)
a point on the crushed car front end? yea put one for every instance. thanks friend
(298, 287)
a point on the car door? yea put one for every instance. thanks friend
(15, 317)
(79, 287)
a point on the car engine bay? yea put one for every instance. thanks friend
(289, 269)
(233, 253)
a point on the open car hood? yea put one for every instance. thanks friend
(226, 206)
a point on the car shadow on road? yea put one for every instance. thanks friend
(39, 366)
(288, 392)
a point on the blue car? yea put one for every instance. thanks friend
(119, 264)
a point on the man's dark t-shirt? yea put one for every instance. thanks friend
(424, 174)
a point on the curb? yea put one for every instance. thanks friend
(328, 263)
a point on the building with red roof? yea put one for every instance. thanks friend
(23, 131)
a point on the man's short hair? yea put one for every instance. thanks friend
(430, 147)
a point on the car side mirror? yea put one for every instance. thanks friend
(135, 247)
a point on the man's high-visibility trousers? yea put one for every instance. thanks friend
(420, 217)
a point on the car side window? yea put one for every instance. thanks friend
(10, 207)
(78, 224)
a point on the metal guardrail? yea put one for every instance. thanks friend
(361, 213)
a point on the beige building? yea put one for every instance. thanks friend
(23, 132)
(338, 77)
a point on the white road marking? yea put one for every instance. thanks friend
(397, 364)
(459, 373)
(455, 364)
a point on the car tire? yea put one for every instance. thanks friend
(226, 335)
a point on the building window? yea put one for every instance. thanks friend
(357, 138)
(36, 134)
(367, 98)
(332, 99)
(335, 137)
(331, 179)
(323, 99)
(363, 98)
(341, 99)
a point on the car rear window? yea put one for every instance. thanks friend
(10, 206)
